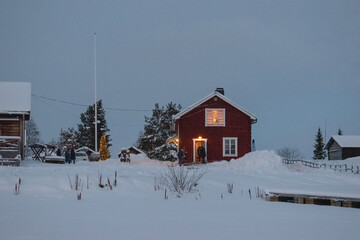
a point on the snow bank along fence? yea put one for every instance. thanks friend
(314, 199)
(337, 167)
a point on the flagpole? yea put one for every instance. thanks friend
(96, 145)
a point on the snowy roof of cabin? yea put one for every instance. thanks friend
(219, 95)
(346, 141)
(15, 97)
(128, 148)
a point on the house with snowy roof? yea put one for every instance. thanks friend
(15, 108)
(218, 124)
(341, 147)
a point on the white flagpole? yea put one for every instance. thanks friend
(96, 147)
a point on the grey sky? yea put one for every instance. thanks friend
(294, 64)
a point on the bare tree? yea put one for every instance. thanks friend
(32, 134)
(290, 153)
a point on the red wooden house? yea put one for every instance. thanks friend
(218, 124)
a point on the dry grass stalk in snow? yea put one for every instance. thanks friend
(230, 188)
(17, 187)
(115, 179)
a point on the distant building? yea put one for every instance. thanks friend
(15, 108)
(222, 127)
(343, 147)
(134, 150)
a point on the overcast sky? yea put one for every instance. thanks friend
(294, 64)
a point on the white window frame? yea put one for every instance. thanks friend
(236, 146)
(212, 125)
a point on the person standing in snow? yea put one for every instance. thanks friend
(58, 152)
(72, 155)
(202, 154)
(67, 155)
(180, 156)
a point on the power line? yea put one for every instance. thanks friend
(84, 105)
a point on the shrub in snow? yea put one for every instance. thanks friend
(260, 193)
(290, 153)
(182, 179)
(158, 184)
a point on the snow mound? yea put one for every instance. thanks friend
(260, 161)
(138, 160)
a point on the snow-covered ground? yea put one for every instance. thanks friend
(47, 207)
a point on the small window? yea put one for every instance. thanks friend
(215, 117)
(230, 147)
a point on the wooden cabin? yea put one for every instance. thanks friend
(343, 147)
(222, 127)
(15, 107)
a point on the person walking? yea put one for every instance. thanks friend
(180, 156)
(72, 155)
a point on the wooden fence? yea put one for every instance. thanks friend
(337, 167)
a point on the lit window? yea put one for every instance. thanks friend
(230, 147)
(215, 117)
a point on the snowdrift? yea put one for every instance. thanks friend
(259, 161)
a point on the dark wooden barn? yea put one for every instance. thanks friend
(15, 106)
(222, 127)
(343, 147)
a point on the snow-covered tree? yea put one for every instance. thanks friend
(32, 134)
(157, 129)
(104, 152)
(86, 129)
(68, 137)
(319, 152)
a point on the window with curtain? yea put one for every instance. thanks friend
(215, 117)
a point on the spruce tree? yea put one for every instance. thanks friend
(68, 137)
(340, 132)
(86, 129)
(319, 152)
(157, 130)
(104, 152)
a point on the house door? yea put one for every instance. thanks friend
(197, 142)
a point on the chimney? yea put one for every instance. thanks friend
(220, 90)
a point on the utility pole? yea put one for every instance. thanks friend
(96, 147)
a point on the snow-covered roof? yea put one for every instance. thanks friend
(345, 141)
(219, 95)
(84, 149)
(128, 148)
(15, 97)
